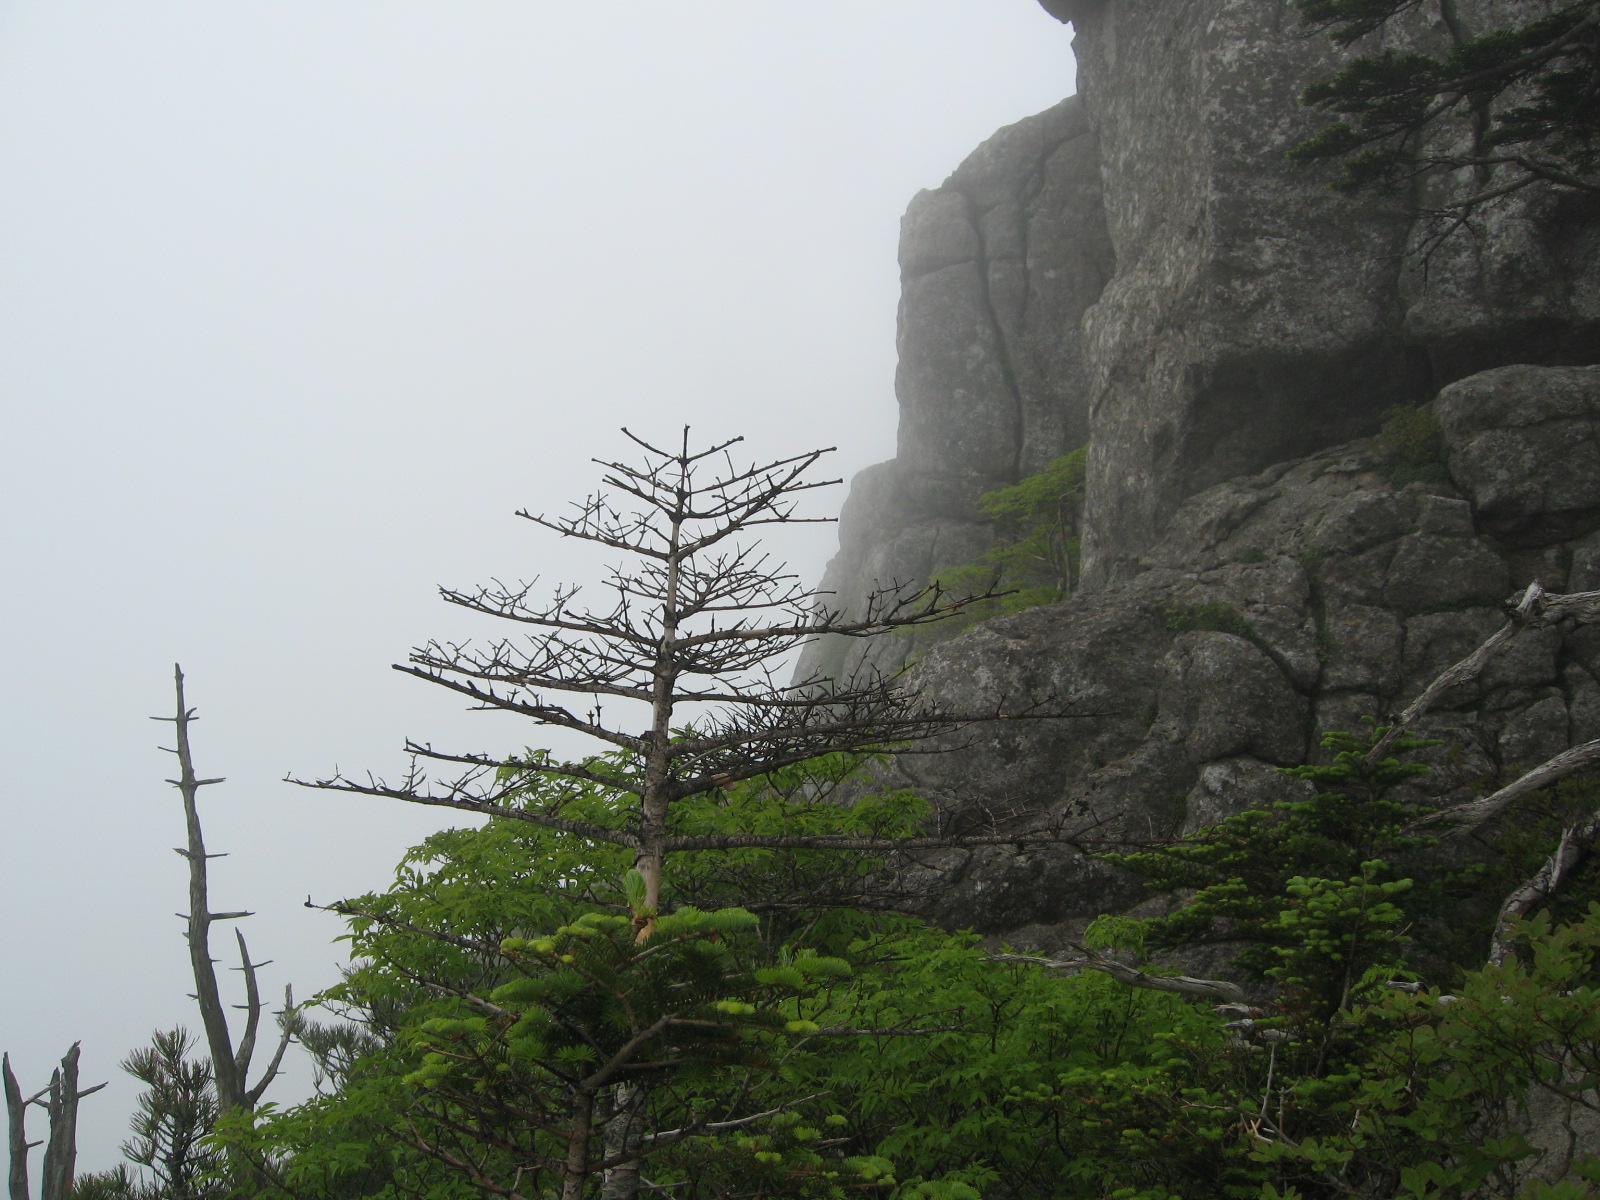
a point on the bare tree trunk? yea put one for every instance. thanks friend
(61, 1151)
(577, 1170)
(624, 1136)
(17, 1124)
(230, 1066)
(213, 1016)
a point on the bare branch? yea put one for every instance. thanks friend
(1524, 615)
(285, 1036)
(667, 1136)
(1577, 842)
(466, 803)
(1187, 985)
(1464, 818)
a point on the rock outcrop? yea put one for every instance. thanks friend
(1142, 267)
(1142, 264)
(1279, 606)
(999, 265)
(1255, 315)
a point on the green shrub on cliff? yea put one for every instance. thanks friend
(1411, 445)
(1035, 557)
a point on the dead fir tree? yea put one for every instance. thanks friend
(60, 1101)
(694, 640)
(698, 634)
(230, 1062)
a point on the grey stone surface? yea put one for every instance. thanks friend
(1142, 266)
(1523, 444)
(998, 265)
(1254, 315)
(1279, 607)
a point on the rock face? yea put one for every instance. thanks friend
(1141, 264)
(999, 264)
(1255, 315)
(1143, 268)
(1279, 606)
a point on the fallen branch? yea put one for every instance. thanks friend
(1187, 985)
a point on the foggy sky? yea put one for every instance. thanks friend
(299, 301)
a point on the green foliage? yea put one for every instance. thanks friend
(1266, 878)
(1430, 1094)
(1035, 560)
(881, 1056)
(540, 928)
(171, 1129)
(118, 1183)
(1412, 445)
(1528, 92)
(994, 1076)
(1214, 616)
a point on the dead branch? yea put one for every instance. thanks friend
(1577, 842)
(672, 1135)
(1534, 610)
(1187, 985)
(1462, 819)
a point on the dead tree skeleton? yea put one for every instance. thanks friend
(230, 1063)
(60, 1100)
(696, 635)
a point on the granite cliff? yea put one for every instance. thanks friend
(1141, 268)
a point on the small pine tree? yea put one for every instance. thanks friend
(175, 1116)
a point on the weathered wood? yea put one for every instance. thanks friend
(1462, 819)
(1535, 610)
(230, 1064)
(17, 1127)
(1577, 843)
(1187, 985)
